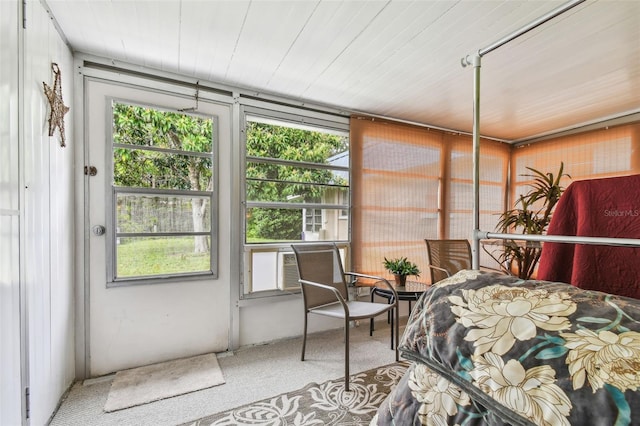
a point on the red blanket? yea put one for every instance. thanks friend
(608, 207)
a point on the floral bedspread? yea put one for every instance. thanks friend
(490, 349)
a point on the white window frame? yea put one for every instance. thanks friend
(295, 117)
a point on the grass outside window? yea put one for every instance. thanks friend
(159, 256)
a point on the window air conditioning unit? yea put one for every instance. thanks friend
(288, 272)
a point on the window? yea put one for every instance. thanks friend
(344, 200)
(296, 179)
(163, 203)
(494, 167)
(412, 183)
(296, 188)
(587, 155)
(313, 220)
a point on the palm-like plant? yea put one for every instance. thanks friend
(531, 216)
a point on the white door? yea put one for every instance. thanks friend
(143, 323)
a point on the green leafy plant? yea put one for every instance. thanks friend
(401, 266)
(531, 215)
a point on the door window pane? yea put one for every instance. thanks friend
(163, 192)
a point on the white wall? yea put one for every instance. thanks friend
(10, 382)
(47, 205)
(265, 321)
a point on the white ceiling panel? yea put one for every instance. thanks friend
(399, 59)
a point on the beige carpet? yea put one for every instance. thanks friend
(164, 380)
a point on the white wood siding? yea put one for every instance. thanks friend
(10, 362)
(48, 194)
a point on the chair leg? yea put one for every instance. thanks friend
(397, 330)
(304, 336)
(346, 354)
(371, 320)
(390, 315)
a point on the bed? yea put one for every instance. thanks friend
(492, 349)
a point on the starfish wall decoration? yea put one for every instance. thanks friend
(58, 108)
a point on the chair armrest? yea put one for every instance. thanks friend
(374, 277)
(440, 269)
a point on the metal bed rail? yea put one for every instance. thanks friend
(571, 239)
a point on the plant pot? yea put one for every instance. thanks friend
(401, 280)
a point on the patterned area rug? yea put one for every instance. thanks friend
(318, 404)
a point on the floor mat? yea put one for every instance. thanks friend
(164, 380)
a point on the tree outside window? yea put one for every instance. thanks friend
(163, 181)
(291, 173)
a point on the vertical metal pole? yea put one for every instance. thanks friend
(475, 61)
(475, 246)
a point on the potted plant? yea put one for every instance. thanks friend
(531, 215)
(401, 268)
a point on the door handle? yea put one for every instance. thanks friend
(98, 230)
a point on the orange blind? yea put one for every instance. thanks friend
(596, 154)
(410, 183)
(494, 166)
(494, 159)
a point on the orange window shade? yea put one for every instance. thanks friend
(596, 154)
(395, 184)
(410, 183)
(494, 163)
(494, 166)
